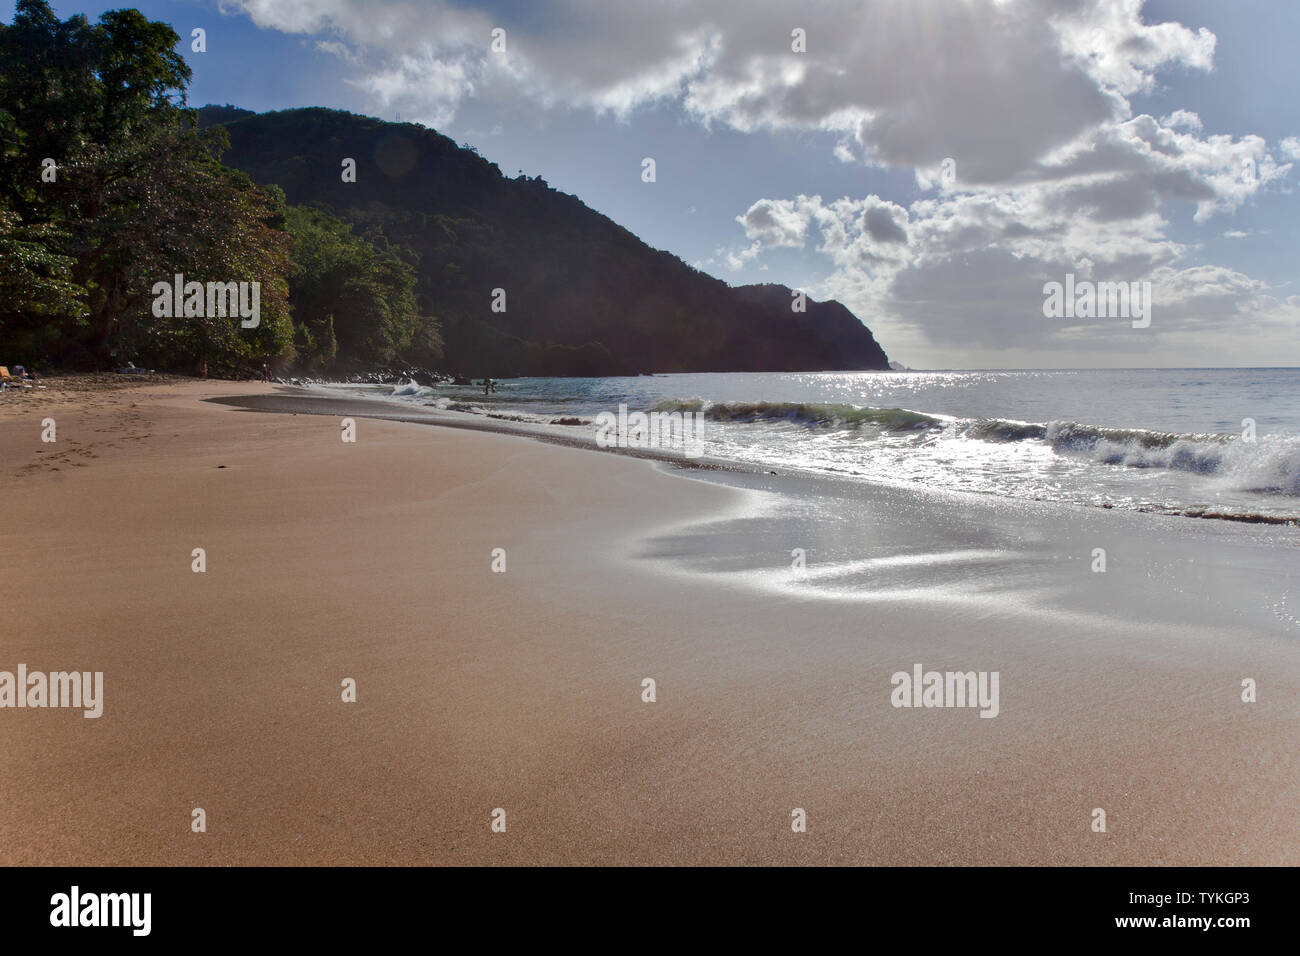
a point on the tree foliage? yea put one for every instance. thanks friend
(109, 188)
(584, 295)
(349, 296)
(40, 305)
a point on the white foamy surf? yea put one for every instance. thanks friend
(1207, 443)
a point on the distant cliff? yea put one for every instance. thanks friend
(583, 295)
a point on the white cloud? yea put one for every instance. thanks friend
(335, 48)
(442, 86)
(1183, 119)
(738, 260)
(1109, 41)
(1013, 116)
(965, 268)
(775, 223)
(913, 80)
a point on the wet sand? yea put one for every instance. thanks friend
(522, 690)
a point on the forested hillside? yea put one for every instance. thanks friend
(112, 189)
(583, 295)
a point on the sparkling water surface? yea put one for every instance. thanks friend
(1172, 440)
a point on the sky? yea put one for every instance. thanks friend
(932, 164)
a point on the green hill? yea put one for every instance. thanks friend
(583, 295)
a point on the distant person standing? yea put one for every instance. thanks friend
(266, 373)
(205, 370)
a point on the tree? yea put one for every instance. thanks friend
(353, 298)
(40, 306)
(67, 85)
(138, 195)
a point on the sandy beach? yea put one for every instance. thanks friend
(522, 690)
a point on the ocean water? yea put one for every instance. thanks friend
(1177, 441)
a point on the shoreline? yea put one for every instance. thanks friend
(299, 400)
(522, 689)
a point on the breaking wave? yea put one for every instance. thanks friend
(1269, 465)
(410, 389)
(801, 413)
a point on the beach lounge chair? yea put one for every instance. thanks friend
(9, 381)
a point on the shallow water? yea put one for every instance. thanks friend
(1166, 440)
(809, 538)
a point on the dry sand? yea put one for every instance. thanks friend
(478, 690)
